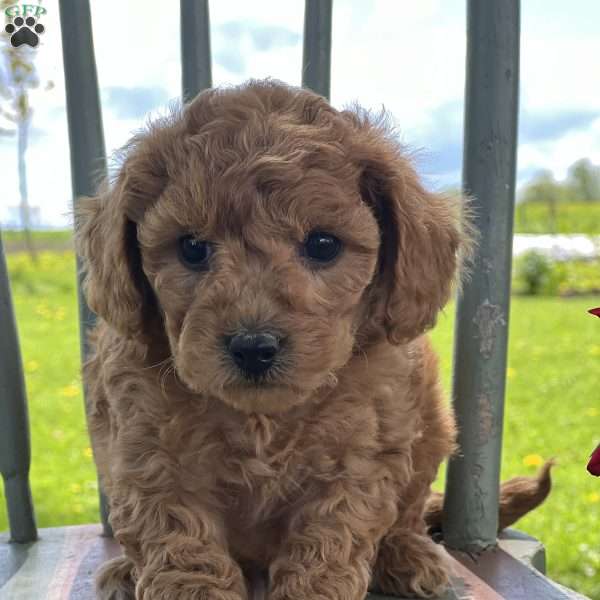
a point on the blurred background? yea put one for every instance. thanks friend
(408, 57)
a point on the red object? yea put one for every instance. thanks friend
(594, 464)
(595, 311)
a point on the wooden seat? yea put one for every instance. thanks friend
(62, 563)
(59, 566)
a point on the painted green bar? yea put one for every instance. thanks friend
(316, 59)
(15, 450)
(86, 137)
(196, 72)
(481, 336)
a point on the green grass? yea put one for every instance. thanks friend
(63, 476)
(571, 217)
(552, 410)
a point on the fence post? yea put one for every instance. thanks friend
(86, 137)
(196, 71)
(481, 336)
(15, 449)
(316, 55)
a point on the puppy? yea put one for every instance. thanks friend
(260, 392)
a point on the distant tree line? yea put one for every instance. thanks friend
(547, 202)
(581, 185)
(572, 205)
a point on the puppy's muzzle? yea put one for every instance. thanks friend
(253, 353)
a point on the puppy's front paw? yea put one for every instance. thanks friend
(318, 582)
(114, 580)
(410, 564)
(181, 585)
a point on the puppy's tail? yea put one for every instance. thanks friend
(518, 496)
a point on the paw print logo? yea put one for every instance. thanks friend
(24, 31)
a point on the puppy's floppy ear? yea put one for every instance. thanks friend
(106, 240)
(424, 236)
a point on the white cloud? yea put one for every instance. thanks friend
(406, 56)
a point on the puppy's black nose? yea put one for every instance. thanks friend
(253, 353)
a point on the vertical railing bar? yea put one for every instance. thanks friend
(15, 448)
(86, 137)
(316, 55)
(196, 71)
(481, 337)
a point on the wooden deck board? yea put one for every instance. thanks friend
(61, 566)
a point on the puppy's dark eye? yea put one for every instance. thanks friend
(194, 253)
(321, 247)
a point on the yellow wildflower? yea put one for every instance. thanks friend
(70, 391)
(31, 366)
(593, 497)
(533, 460)
(43, 311)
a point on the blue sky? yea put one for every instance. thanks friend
(407, 56)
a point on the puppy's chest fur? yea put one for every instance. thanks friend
(269, 467)
(262, 466)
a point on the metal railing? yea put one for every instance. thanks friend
(86, 139)
(481, 335)
(15, 452)
(482, 320)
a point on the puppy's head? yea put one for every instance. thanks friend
(267, 237)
